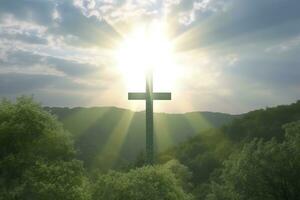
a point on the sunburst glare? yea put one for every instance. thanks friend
(147, 47)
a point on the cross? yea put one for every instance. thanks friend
(149, 96)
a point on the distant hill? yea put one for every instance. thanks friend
(108, 136)
(264, 123)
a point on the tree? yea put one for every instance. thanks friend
(36, 155)
(150, 182)
(181, 173)
(262, 170)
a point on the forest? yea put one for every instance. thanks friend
(251, 156)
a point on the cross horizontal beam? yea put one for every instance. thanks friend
(136, 96)
(155, 96)
(162, 96)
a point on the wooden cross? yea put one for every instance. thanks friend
(149, 96)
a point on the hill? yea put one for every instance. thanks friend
(108, 136)
(264, 123)
(204, 154)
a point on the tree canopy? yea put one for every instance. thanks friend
(262, 170)
(150, 182)
(37, 157)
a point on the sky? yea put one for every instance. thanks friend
(234, 55)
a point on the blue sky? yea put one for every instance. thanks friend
(238, 55)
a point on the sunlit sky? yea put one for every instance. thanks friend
(213, 55)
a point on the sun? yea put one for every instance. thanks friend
(146, 48)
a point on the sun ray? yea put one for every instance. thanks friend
(87, 118)
(111, 150)
(198, 122)
(162, 133)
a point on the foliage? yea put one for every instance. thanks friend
(262, 170)
(202, 155)
(57, 180)
(265, 123)
(181, 172)
(205, 153)
(151, 183)
(36, 155)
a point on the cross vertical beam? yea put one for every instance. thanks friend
(149, 118)
(149, 96)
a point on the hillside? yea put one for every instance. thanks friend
(104, 135)
(205, 154)
(264, 123)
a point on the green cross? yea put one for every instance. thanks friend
(149, 96)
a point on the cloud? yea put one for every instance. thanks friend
(86, 30)
(25, 59)
(189, 11)
(13, 83)
(63, 19)
(26, 32)
(21, 83)
(285, 46)
(119, 11)
(39, 12)
(24, 37)
(242, 23)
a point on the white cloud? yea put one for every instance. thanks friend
(199, 7)
(186, 18)
(36, 69)
(285, 46)
(126, 10)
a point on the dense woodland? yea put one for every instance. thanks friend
(254, 156)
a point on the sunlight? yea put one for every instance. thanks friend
(163, 134)
(110, 152)
(147, 48)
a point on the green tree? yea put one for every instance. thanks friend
(262, 170)
(181, 173)
(150, 182)
(36, 155)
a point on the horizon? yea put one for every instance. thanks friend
(158, 112)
